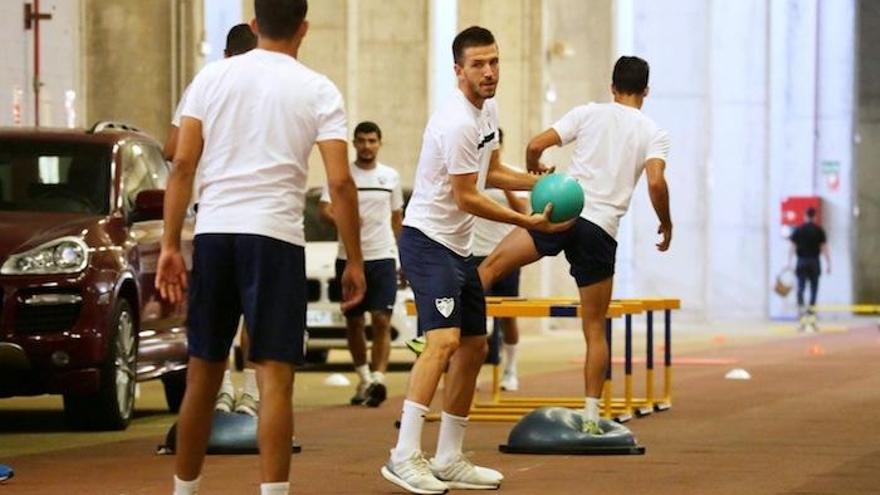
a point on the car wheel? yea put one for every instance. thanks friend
(317, 356)
(111, 407)
(175, 386)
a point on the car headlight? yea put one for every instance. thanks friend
(64, 255)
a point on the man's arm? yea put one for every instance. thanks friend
(792, 248)
(659, 192)
(171, 270)
(536, 148)
(343, 196)
(325, 211)
(507, 178)
(517, 203)
(171, 142)
(397, 223)
(469, 199)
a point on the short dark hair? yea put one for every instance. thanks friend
(240, 39)
(630, 75)
(811, 213)
(472, 36)
(367, 127)
(280, 19)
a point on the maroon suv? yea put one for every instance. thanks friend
(80, 225)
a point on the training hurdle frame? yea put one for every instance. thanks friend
(620, 409)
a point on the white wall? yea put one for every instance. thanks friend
(60, 62)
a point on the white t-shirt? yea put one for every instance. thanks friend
(613, 141)
(262, 112)
(487, 233)
(175, 119)
(459, 139)
(379, 194)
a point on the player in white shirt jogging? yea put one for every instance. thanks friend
(249, 124)
(614, 143)
(380, 201)
(459, 157)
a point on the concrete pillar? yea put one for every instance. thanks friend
(367, 49)
(867, 268)
(811, 81)
(138, 56)
(673, 36)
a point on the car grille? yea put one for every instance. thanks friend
(313, 289)
(46, 318)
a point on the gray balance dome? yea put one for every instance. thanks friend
(557, 430)
(231, 434)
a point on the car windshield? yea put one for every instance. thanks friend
(318, 230)
(54, 177)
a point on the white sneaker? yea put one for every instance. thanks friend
(414, 475)
(225, 402)
(360, 393)
(247, 404)
(462, 474)
(509, 381)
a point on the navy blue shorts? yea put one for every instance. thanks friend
(446, 286)
(507, 286)
(589, 250)
(260, 277)
(381, 292)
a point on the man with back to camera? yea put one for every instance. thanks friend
(380, 203)
(248, 255)
(614, 144)
(240, 39)
(808, 241)
(459, 157)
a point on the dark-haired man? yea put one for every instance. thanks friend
(380, 202)
(250, 123)
(614, 144)
(240, 39)
(459, 157)
(808, 241)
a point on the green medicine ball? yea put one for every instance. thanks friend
(563, 191)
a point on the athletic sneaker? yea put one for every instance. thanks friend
(247, 404)
(6, 472)
(591, 427)
(462, 474)
(509, 381)
(225, 402)
(376, 394)
(417, 345)
(414, 475)
(360, 393)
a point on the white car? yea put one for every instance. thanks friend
(324, 320)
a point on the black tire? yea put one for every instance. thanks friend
(175, 386)
(317, 356)
(111, 407)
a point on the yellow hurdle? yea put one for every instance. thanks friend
(621, 409)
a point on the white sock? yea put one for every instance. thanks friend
(250, 383)
(591, 409)
(363, 372)
(451, 438)
(226, 386)
(378, 377)
(277, 488)
(186, 487)
(510, 358)
(409, 439)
